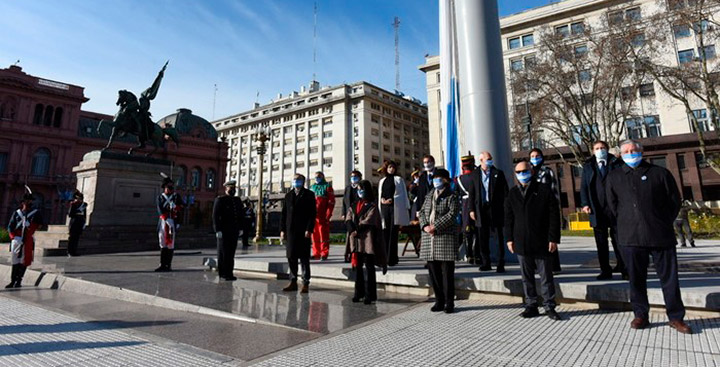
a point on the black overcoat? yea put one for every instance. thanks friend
(498, 192)
(298, 216)
(645, 202)
(228, 214)
(532, 221)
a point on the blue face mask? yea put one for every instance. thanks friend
(354, 179)
(524, 177)
(489, 163)
(318, 180)
(438, 183)
(298, 183)
(536, 161)
(601, 154)
(632, 159)
(361, 193)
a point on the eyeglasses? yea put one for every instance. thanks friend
(523, 171)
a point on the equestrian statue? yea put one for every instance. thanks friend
(134, 118)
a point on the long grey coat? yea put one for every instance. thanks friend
(444, 244)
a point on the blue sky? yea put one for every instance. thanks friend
(246, 47)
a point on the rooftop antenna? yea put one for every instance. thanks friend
(214, 99)
(314, 40)
(16, 62)
(396, 25)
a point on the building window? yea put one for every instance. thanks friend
(577, 28)
(584, 76)
(528, 40)
(681, 30)
(375, 145)
(313, 162)
(287, 166)
(707, 52)
(681, 161)
(375, 159)
(514, 43)
(686, 56)
(195, 176)
(327, 162)
(577, 170)
(327, 147)
(3, 162)
(40, 162)
(57, 121)
(581, 50)
(627, 93)
(659, 161)
(300, 164)
(615, 18)
(210, 179)
(562, 31)
(638, 40)
(702, 120)
(47, 118)
(182, 172)
(327, 134)
(37, 118)
(652, 126)
(312, 150)
(516, 65)
(647, 90)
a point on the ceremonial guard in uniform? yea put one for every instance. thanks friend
(228, 218)
(23, 224)
(324, 205)
(77, 214)
(464, 185)
(169, 204)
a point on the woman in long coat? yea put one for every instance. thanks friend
(440, 241)
(365, 246)
(394, 207)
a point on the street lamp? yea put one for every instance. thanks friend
(261, 137)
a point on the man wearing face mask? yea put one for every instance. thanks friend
(424, 184)
(488, 194)
(324, 205)
(645, 200)
(592, 199)
(228, 221)
(297, 222)
(545, 175)
(464, 185)
(532, 229)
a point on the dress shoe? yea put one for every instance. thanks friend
(485, 268)
(356, 299)
(367, 301)
(11, 285)
(639, 323)
(680, 326)
(437, 307)
(553, 315)
(449, 309)
(625, 276)
(500, 268)
(305, 288)
(683, 245)
(290, 287)
(231, 278)
(604, 276)
(471, 260)
(530, 312)
(324, 258)
(692, 244)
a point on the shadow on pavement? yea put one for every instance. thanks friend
(80, 326)
(46, 347)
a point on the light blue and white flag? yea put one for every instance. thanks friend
(449, 94)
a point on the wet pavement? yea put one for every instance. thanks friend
(325, 309)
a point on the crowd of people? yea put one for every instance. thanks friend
(629, 200)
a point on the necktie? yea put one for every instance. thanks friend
(603, 170)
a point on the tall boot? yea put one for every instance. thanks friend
(20, 274)
(168, 262)
(13, 276)
(163, 260)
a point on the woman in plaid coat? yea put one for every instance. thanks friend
(440, 241)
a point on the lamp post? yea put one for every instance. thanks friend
(261, 137)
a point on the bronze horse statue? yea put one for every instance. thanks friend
(134, 118)
(128, 121)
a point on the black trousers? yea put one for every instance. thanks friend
(603, 249)
(390, 233)
(682, 228)
(226, 247)
(293, 267)
(74, 237)
(365, 285)
(246, 235)
(529, 266)
(442, 277)
(637, 260)
(484, 244)
(473, 245)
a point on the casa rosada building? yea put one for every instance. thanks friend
(45, 133)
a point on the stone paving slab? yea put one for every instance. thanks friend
(486, 333)
(577, 282)
(33, 336)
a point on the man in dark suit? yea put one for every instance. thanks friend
(488, 194)
(532, 229)
(592, 200)
(296, 226)
(77, 215)
(228, 220)
(645, 200)
(425, 182)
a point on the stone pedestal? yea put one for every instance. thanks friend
(121, 193)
